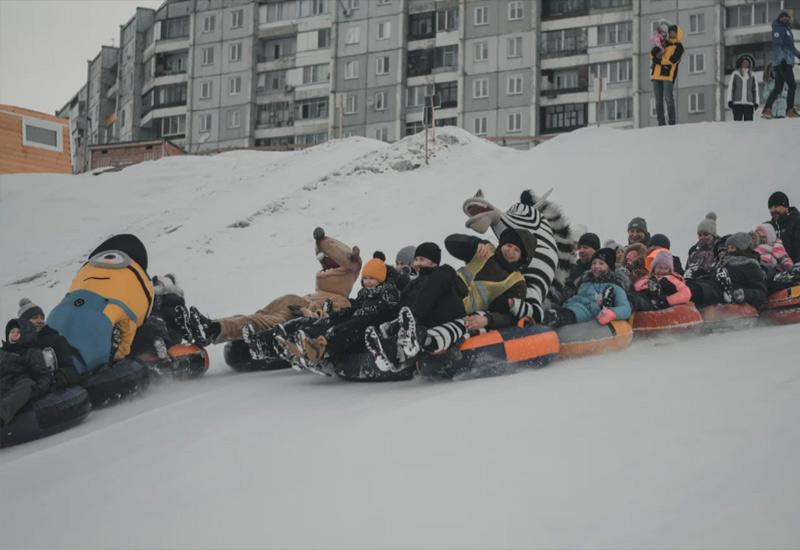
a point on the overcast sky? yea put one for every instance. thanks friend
(44, 46)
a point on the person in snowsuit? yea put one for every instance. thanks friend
(108, 300)
(588, 244)
(635, 255)
(786, 221)
(637, 231)
(701, 257)
(600, 296)
(24, 375)
(783, 53)
(341, 265)
(779, 105)
(659, 242)
(662, 289)
(664, 72)
(56, 349)
(770, 249)
(742, 95)
(162, 329)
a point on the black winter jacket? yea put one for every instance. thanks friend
(788, 229)
(746, 273)
(22, 360)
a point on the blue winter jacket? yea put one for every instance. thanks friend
(783, 48)
(586, 303)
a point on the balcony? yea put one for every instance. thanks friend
(562, 9)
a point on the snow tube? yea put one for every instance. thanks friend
(237, 357)
(788, 297)
(676, 318)
(360, 367)
(124, 378)
(785, 316)
(729, 317)
(183, 361)
(53, 413)
(591, 338)
(494, 353)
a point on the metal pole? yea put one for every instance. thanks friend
(426, 143)
(433, 121)
(340, 105)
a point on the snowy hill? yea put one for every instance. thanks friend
(688, 444)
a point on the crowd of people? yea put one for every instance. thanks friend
(743, 96)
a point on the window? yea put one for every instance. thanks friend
(384, 30)
(415, 95)
(173, 125)
(234, 119)
(697, 23)
(234, 85)
(697, 103)
(350, 104)
(514, 84)
(209, 21)
(205, 89)
(324, 38)
(566, 80)
(514, 11)
(697, 63)
(235, 52)
(350, 70)
(419, 62)
(42, 134)
(564, 42)
(177, 27)
(480, 125)
(380, 101)
(271, 82)
(237, 19)
(353, 4)
(382, 133)
(481, 51)
(480, 88)
(311, 108)
(414, 128)
(615, 33)
(613, 71)
(384, 2)
(274, 115)
(480, 16)
(562, 118)
(382, 65)
(205, 122)
(353, 35)
(447, 19)
(312, 139)
(173, 94)
(420, 25)
(514, 123)
(615, 109)
(514, 46)
(207, 55)
(122, 114)
(316, 73)
(274, 11)
(448, 94)
(445, 56)
(308, 8)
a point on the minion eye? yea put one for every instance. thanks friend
(110, 259)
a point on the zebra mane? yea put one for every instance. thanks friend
(560, 226)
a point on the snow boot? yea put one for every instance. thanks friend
(766, 113)
(373, 343)
(204, 330)
(261, 345)
(182, 321)
(792, 113)
(407, 337)
(312, 351)
(725, 284)
(288, 350)
(608, 296)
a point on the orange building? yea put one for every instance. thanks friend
(31, 141)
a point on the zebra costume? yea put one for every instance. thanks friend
(555, 248)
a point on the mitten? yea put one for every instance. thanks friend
(606, 315)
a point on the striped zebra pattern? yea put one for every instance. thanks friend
(442, 337)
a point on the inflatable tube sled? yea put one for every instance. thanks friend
(591, 338)
(182, 361)
(111, 383)
(494, 353)
(788, 297)
(53, 413)
(237, 357)
(786, 316)
(729, 317)
(682, 317)
(360, 367)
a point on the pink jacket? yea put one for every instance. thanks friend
(682, 296)
(774, 254)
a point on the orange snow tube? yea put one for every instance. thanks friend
(729, 317)
(783, 307)
(681, 318)
(591, 338)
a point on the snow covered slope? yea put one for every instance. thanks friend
(688, 444)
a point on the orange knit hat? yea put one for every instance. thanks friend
(374, 268)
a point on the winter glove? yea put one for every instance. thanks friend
(659, 303)
(606, 315)
(296, 311)
(653, 286)
(730, 105)
(667, 288)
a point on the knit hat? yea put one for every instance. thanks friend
(374, 268)
(405, 255)
(613, 245)
(12, 324)
(380, 255)
(591, 240)
(784, 13)
(660, 240)
(769, 231)
(127, 243)
(638, 223)
(662, 258)
(673, 28)
(778, 198)
(608, 256)
(709, 224)
(430, 251)
(28, 309)
(740, 241)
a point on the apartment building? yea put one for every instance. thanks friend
(75, 112)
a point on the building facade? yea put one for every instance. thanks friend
(217, 74)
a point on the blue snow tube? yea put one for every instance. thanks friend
(53, 413)
(125, 378)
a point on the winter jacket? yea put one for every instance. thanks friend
(398, 278)
(376, 301)
(779, 105)
(65, 372)
(587, 303)
(774, 254)
(434, 296)
(700, 261)
(672, 286)
(783, 48)
(742, 89)
(677, 267)
(746, 273)
(22, 360)
(576, 274)
(787, 229)
(665, 67)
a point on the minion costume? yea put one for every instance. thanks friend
(112, 289)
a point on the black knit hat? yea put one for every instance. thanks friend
(778, 198)
(12, 324)
(608, 256)
(638, 223)
(660, 240)
(430, 251)
(127, 243)
(591, 240)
